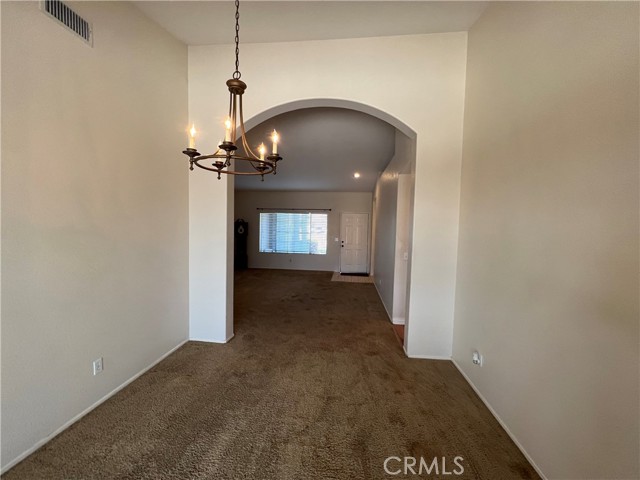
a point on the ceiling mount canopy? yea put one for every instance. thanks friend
(221, 160)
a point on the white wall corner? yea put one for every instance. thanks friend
(502, 423)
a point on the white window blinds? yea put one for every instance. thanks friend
(282, 232)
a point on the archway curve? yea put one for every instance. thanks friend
(334, 103)
(374, 112)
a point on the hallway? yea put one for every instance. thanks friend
(313, 386)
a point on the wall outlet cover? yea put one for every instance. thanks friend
(477, 359)
(97, 366)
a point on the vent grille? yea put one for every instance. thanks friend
(70, 19)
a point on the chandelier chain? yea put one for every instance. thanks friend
(237, 73)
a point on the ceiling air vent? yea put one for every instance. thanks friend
(70, 19)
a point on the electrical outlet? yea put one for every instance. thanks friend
(477, 359)
(97, 366)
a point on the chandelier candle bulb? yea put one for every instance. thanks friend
(227, 131)
(192, 136)
(262, 149)
(274, 139)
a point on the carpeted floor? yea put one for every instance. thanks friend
(314, 386)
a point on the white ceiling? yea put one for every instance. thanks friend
(322, 148)
(212, 22)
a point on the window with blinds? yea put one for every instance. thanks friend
(282, 232)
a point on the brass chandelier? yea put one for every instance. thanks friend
(261, 163)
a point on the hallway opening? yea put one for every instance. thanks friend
(298, 218)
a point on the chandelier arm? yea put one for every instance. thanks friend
(247, 149)
(234, 118)
(219, 166)
(261, 164)
(244, 135)
(233, 172)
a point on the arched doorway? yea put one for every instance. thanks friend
(333, 103)
(390, 262)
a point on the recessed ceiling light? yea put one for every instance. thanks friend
(356, 175)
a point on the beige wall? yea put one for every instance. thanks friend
(95, 213)
(247, 202)
(384, 254)
(547, 286)
(351, 70)
(393, 218)
(404, 219)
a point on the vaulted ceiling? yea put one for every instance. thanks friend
(207, 23)
(322, 149)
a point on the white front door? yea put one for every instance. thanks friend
(354, 242)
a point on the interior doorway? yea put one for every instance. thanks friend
(345, 188)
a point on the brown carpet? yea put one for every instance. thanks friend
(314, 386)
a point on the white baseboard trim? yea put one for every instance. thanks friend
(382, 301)
(428, 357)
(208, 340)
(59, 430)
(397, 320)
(502, 424)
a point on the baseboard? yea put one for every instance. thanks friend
(502, 424)
(397, 320)
(382, 301)
(59, 430)
(208, 340)
(428, 357)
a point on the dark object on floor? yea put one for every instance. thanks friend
(313, 386)
(355, 274)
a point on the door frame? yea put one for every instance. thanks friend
(368, 254)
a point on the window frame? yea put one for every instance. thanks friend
(273, 239)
